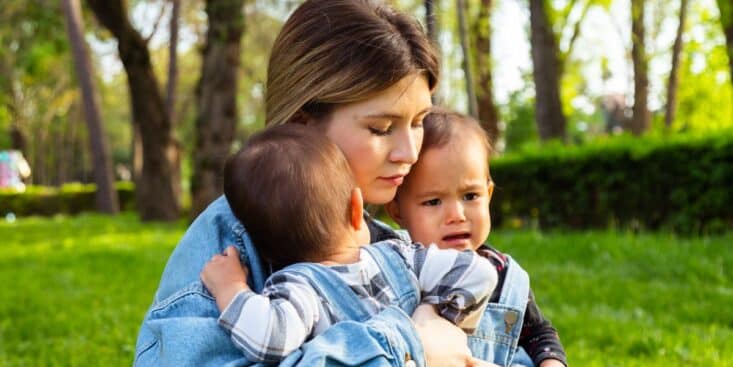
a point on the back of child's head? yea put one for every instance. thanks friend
(291, 187)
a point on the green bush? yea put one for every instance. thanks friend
(68, 199)
(680, 183)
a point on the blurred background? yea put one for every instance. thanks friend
(612, 121)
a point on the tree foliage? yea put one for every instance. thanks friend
(41, 109)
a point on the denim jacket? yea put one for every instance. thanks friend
(180, 328)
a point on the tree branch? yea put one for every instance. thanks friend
(162, 11)
(576, 30)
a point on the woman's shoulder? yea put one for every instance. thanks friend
(214, 230)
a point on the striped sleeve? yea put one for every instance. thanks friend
(458, 282)
(268, 327)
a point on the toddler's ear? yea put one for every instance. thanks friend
(357, 209)
(393, 209)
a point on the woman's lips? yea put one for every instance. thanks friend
(395, 180)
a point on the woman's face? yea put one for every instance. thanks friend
(382, 135)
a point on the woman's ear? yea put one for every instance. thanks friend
(301, 117)
(393, 209)
(357, 209)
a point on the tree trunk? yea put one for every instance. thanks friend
(155, 188)
(433, 28)
(174, 150)
(671, 107)
(430, 21)
(170, 96)
(470, 81)
(545, 59)
(216, 100)
(106, 196)
(640, 112)
(17, 139)
(726, 20)
(487, 113)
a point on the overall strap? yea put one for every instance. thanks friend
(515, 292)
(334, 290)
(397, 274)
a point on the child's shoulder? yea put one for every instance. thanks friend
(496, 257)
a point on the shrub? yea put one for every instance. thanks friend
(683, 184)
(68, 199)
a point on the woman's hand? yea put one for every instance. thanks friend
(225, 276)
(444, 343)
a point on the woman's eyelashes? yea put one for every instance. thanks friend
(380, 131)
(388, 128)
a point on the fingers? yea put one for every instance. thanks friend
(231, 251)
(475, 362)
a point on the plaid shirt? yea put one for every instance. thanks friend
(268, 327)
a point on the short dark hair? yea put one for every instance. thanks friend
(291, 188)
(442, 125)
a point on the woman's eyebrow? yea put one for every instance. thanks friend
(394, 116)
(386, 115)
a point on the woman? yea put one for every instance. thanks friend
(362, 74)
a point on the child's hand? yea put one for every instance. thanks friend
(224, 276)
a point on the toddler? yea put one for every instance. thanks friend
(445, 200)
(293, 190)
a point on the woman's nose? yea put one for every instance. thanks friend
(405, 149)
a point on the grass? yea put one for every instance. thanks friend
(75, 291)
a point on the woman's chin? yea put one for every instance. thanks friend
(379, 196)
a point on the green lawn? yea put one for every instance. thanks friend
(76, 289)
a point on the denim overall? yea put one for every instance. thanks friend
(342, 300)
(181, 329)
(497, 335)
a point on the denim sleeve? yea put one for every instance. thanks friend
(211, 233)
(181, 329)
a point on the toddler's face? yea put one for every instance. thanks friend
(445, 198)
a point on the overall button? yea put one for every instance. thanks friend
(510, 318)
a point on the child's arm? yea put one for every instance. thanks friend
(266, 327)
(458, 282)
(225, 276)
(539, 338)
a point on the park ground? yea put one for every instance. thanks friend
(75, 290)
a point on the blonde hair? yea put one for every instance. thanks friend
(332, 52)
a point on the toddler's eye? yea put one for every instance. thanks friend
(471, 196)
(417, 124)
(431, 202)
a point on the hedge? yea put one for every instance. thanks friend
(682, 183)
(68, 199)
